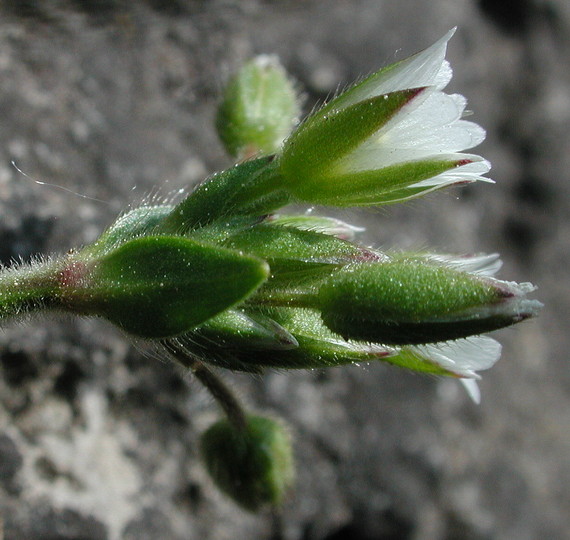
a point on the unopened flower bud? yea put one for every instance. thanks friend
(409, 302)
(254, 464)
(290, 250)
(259, 109)
(162, 286)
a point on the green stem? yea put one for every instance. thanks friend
(219, 390)
(28, 288)
(285, 298)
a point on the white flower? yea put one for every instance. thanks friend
(394, 136)
(466, 357)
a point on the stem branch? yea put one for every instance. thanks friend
(219, 390)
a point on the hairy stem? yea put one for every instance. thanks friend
(28, 288)
(219, 390)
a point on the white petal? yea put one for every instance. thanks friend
(426, 68)
(470, 172)
(429, 126)
(481, 264)
(472, 389)
(433, 126)
(463, 357)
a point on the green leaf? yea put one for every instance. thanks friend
(253, 466)
(161, 286)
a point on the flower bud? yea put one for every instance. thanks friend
(289, 250)
(259, 109)
(253, 465)
(161, 286)
(409, 302)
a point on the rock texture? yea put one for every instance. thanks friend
(113, 100)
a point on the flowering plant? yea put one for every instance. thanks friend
(222, 279)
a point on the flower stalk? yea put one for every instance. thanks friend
(217, 388)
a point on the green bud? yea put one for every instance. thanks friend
(253, 465)
(259, 109)
(408, 302)
(160, 286)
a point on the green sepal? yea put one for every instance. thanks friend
(374, 187)
(387, 185)
(289, 250)
(254, 465)
(135, 223)
(311, 154)
(258, 110)
(411, 359)
(317, 347)
(160, 286)
(249, 188)
(237, 329)
(319, 224)
(412, 303)
(362, 89)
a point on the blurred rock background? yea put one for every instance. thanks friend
(115, 100)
